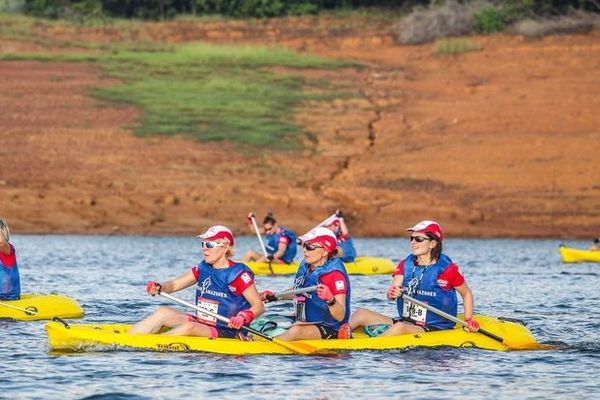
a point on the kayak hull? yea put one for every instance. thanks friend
(40, 307)
(571, 255)
(64, 337)
(362, 266)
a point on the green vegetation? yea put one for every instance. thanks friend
(208, 92)
(490, 20)
(452, 47)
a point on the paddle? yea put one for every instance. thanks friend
(300, 348)
(262, 245)
(279, 296)
(514, 346)
(334, 215)
(28, 312)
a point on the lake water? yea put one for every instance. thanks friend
(522, 279)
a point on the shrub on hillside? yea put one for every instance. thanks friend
(425, 24)
(578, 22)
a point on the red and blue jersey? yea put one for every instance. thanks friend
(10, 282)
(285, 236)
(432, 284)
(332, 274)
(220, 290)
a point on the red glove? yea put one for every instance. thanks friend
(472, 325)
(324, 293)
(393, 292)
(267, 296)
(242, 318)
(153, 288)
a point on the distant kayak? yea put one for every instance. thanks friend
(362, 266)
(570, 255)
(68, 337)
(32, 307)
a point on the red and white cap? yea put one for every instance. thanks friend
(428, 227)
(217, 232)
(322, 236)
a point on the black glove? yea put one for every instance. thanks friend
(339, 214)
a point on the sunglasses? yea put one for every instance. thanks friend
(418, 239)
(311, 247)
(211, 245)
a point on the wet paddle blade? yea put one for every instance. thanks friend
(301, 348)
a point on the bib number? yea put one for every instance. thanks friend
(208, 305)
(414, 312)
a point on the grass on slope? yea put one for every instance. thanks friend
(206, 91)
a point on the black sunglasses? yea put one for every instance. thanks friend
(311, 247)
(418, 239)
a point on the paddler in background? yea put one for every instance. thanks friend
(324, 314)
(427, 275)
(338, 226)
(10, 283)
(223, 286)
(281, 243)
(595, 245)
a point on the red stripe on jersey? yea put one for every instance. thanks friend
(451, 277)
(336, 282)
(399, 269)
(241, 282)
(9, 260)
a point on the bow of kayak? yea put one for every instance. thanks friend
(32, 307)
(571, 255)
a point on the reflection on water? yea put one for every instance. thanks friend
(512, 278)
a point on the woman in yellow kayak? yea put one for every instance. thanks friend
(10, 284)
(223, 287)
(319, 315)
(595, 245)
(427, 275)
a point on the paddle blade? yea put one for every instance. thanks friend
(302, 348)
(531, 346)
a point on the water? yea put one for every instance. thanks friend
(513, 278)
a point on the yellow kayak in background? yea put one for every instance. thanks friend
(31, 307)
(362, 266)
(101, 337)
(570, 255)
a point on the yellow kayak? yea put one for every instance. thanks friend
(31, 307)
(362, 266)
(94, 337)
(570, 255)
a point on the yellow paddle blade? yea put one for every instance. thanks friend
(302, 348)
(531, 346)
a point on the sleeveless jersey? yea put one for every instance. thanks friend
(422, 284)
(213, 293)
(10, 282)
(273, 244)
(316, 310)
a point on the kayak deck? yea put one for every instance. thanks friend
(96, 337)
(361, 266)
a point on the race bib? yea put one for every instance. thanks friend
(208, 305)
(414, 312)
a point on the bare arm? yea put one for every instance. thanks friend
(467, 296)
(179, 283)
(338, 309)
(256, 305)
